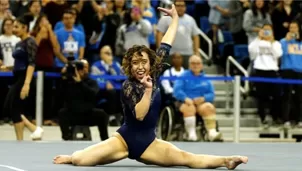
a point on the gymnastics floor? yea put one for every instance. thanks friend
(37, 156)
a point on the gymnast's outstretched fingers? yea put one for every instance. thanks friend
(105, 152)
(163, 153)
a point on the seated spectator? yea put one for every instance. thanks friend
(77, 24)
(72, 41)
(80, 101)
(110, 89)
(175, 70)
(197, 96)
(136, 30)
(291, 68)
(255, 18)
(187, 40)
(265, 52)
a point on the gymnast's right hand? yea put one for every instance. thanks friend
(147, 81)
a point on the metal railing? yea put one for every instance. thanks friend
(243, 89)
(210, 46)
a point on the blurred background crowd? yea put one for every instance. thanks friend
(100, 31)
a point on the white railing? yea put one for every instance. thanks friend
(245, 88)
(210, 46)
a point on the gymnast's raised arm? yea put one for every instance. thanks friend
(169, 36)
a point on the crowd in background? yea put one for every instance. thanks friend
(101, 31)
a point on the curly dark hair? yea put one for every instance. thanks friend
(155, 61)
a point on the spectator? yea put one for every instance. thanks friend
(107, 24)
(291, 68)
(265, 52)
(120, 7)
(8, 42)
(110, 89)
(255, 18)
(4, 11)
(149, 14)
(282, 15)
(54, 11)
(218, 16)
(235, 12)
(175, 70)
(35, 10)
(196, 96)
(19, 7)
(48, 47)
(187, 40)
(77, 24)
(134, 31)
(80, 99)
(72, 41)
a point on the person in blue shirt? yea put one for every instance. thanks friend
(140, 98)
(71, 40)
(291, 68)
(110, 89)
(196, 96)
(77, 24)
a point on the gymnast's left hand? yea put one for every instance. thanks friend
(24, 91)
(147, 82)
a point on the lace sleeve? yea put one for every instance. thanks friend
(31, 48)
(163, 53)
(131, 94)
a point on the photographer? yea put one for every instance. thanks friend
(80, 94)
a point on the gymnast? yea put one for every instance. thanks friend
(136, 138)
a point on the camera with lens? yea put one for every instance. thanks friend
(72, 66)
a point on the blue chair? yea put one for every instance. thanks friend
(228, 37)
(241, 52)
(204, 24)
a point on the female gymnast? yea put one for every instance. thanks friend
(19, 98)
(136, 138)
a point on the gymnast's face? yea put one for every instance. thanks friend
(140, 65)
(19, 29)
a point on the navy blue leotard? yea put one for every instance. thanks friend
(138, 135)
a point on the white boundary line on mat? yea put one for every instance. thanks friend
(12, 168)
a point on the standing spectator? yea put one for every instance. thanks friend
(120, 7)
(282, 15)
(187, 40)
(110, 89)
(72, 41)
(77, 24)
(8, 42)
(218, 15)
(265, 52)
(291, 68)
(4, 11)
(19, 7)
(54, 11)
(236, 11)
(35, 10)
(136, 30)
(255, 18)
(48, 47)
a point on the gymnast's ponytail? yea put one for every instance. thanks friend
(25, 19)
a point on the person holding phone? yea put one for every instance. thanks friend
(265, 52)
(291, 68)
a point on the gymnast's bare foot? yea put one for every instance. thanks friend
(233, 161)
(62, 159)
